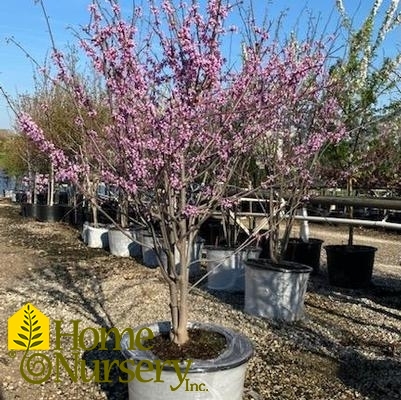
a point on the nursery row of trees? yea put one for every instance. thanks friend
(167, 120)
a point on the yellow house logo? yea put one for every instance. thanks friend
(28, 329)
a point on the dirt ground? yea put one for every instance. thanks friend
(348, 347)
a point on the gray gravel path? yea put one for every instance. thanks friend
(348, 346)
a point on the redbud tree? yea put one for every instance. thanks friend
(64, 126)
(183, 119)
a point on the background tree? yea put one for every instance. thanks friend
(67, 125)
(368, 88)
(384, 157)
(11, 162)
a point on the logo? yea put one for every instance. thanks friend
(29, 331)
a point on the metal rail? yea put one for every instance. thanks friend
(385, 204)
(349, 221)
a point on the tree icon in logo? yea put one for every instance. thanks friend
(28, 329)
(31, 330)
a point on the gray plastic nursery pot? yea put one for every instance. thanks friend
(215, 379)
(150, 258)
(95, 237)
(123, 244)
(226, 267)
(276, 291)
(149, 253)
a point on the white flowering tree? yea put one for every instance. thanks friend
(367, 91)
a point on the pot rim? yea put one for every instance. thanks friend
(290, 267)
(238, 351)
(100, 225)
(115, 229)
(350, 248)
(227, 248)
(310, 240)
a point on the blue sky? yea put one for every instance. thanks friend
(23, 20)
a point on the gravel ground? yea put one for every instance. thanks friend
(347, 347)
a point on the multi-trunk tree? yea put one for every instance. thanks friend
(183, 120)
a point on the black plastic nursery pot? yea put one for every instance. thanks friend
(350, 266)
(29, 210)
(307, 253)
(211, 230)
(54, 213)
(77, 216)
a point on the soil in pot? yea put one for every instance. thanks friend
(350, 266)
(202, 345)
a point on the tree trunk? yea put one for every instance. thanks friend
(50, 188)
(181, 331)
(350, 214)
(35, 192)
(31, 179)
(93, 203)
(123, 209)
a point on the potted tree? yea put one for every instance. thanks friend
(63, 122)
(366, 79)
(48, 109)
(180, 116)
(286, 163)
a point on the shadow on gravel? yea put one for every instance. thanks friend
(375, 379)
(77, 288)
(80, 291)
(383, 292)
(55, 241)
(233, 299)
(70, 279)
(103, 365)
(387, 292)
